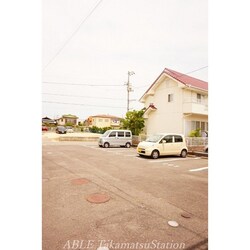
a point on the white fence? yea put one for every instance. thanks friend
(191, 141)
(197, 141)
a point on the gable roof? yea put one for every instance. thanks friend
(70, 116)
(189, 81)
(106, 116)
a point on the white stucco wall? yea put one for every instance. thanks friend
(168, 116)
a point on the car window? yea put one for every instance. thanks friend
(178, 138)
(154, 138)
(120, 134)
(168, 138)
(106, 133)
(112, 134)
(128, 134)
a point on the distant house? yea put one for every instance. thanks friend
(67, 119)
(177, 103)
(102, 121)
(47, 120)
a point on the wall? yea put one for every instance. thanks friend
(168, 116)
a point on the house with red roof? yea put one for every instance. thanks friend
(175, 102)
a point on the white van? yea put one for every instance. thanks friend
(163, 144)
(116, 138)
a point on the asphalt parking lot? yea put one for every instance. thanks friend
(143, 196)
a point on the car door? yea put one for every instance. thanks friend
(167, 145)
(112, 139)
(178, 144)
(120, 138)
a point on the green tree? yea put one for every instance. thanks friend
(134, 121)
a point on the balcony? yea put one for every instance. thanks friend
(199, 107)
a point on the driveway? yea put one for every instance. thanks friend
(144, 195)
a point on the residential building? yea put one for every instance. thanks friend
(67, 119)
(176, 103)
(47, 120)
(102, 121)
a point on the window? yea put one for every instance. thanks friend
(120, 134)
(100, 120)
(198, 125)
(178, 138)
(199, 98)
(170, 97)
(106, 120)
(128, 134)
(112, 134)
(203, 126)
(168, 138)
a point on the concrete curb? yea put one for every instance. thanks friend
(196, 153)
(77, 138)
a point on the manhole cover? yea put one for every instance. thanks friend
(98, 198)
(186, 215)
(79, 181)
(173, 223)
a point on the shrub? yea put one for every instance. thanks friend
(195, 133)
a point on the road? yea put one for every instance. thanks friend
(145, 194)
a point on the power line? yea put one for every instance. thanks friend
(81, 104)
(108, 98)
(72, 35)
(194, 70)
(84, 84)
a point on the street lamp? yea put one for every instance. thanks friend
(129, 88)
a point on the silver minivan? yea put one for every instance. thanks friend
(116, 138)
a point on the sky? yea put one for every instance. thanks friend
(88, 47)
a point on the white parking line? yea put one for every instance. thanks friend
(169, 164)
(198, 169)
(176, 166)
(181, 159)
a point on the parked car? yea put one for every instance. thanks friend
(116, 138)
(61, 130)
(69, 129)
(44, 128)
(163, 144)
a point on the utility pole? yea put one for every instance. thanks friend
(129, 88)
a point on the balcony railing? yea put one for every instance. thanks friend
(195, 106)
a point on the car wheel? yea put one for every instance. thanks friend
(155, 154)
(127, 145)
(184, 153)
(106, 145)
